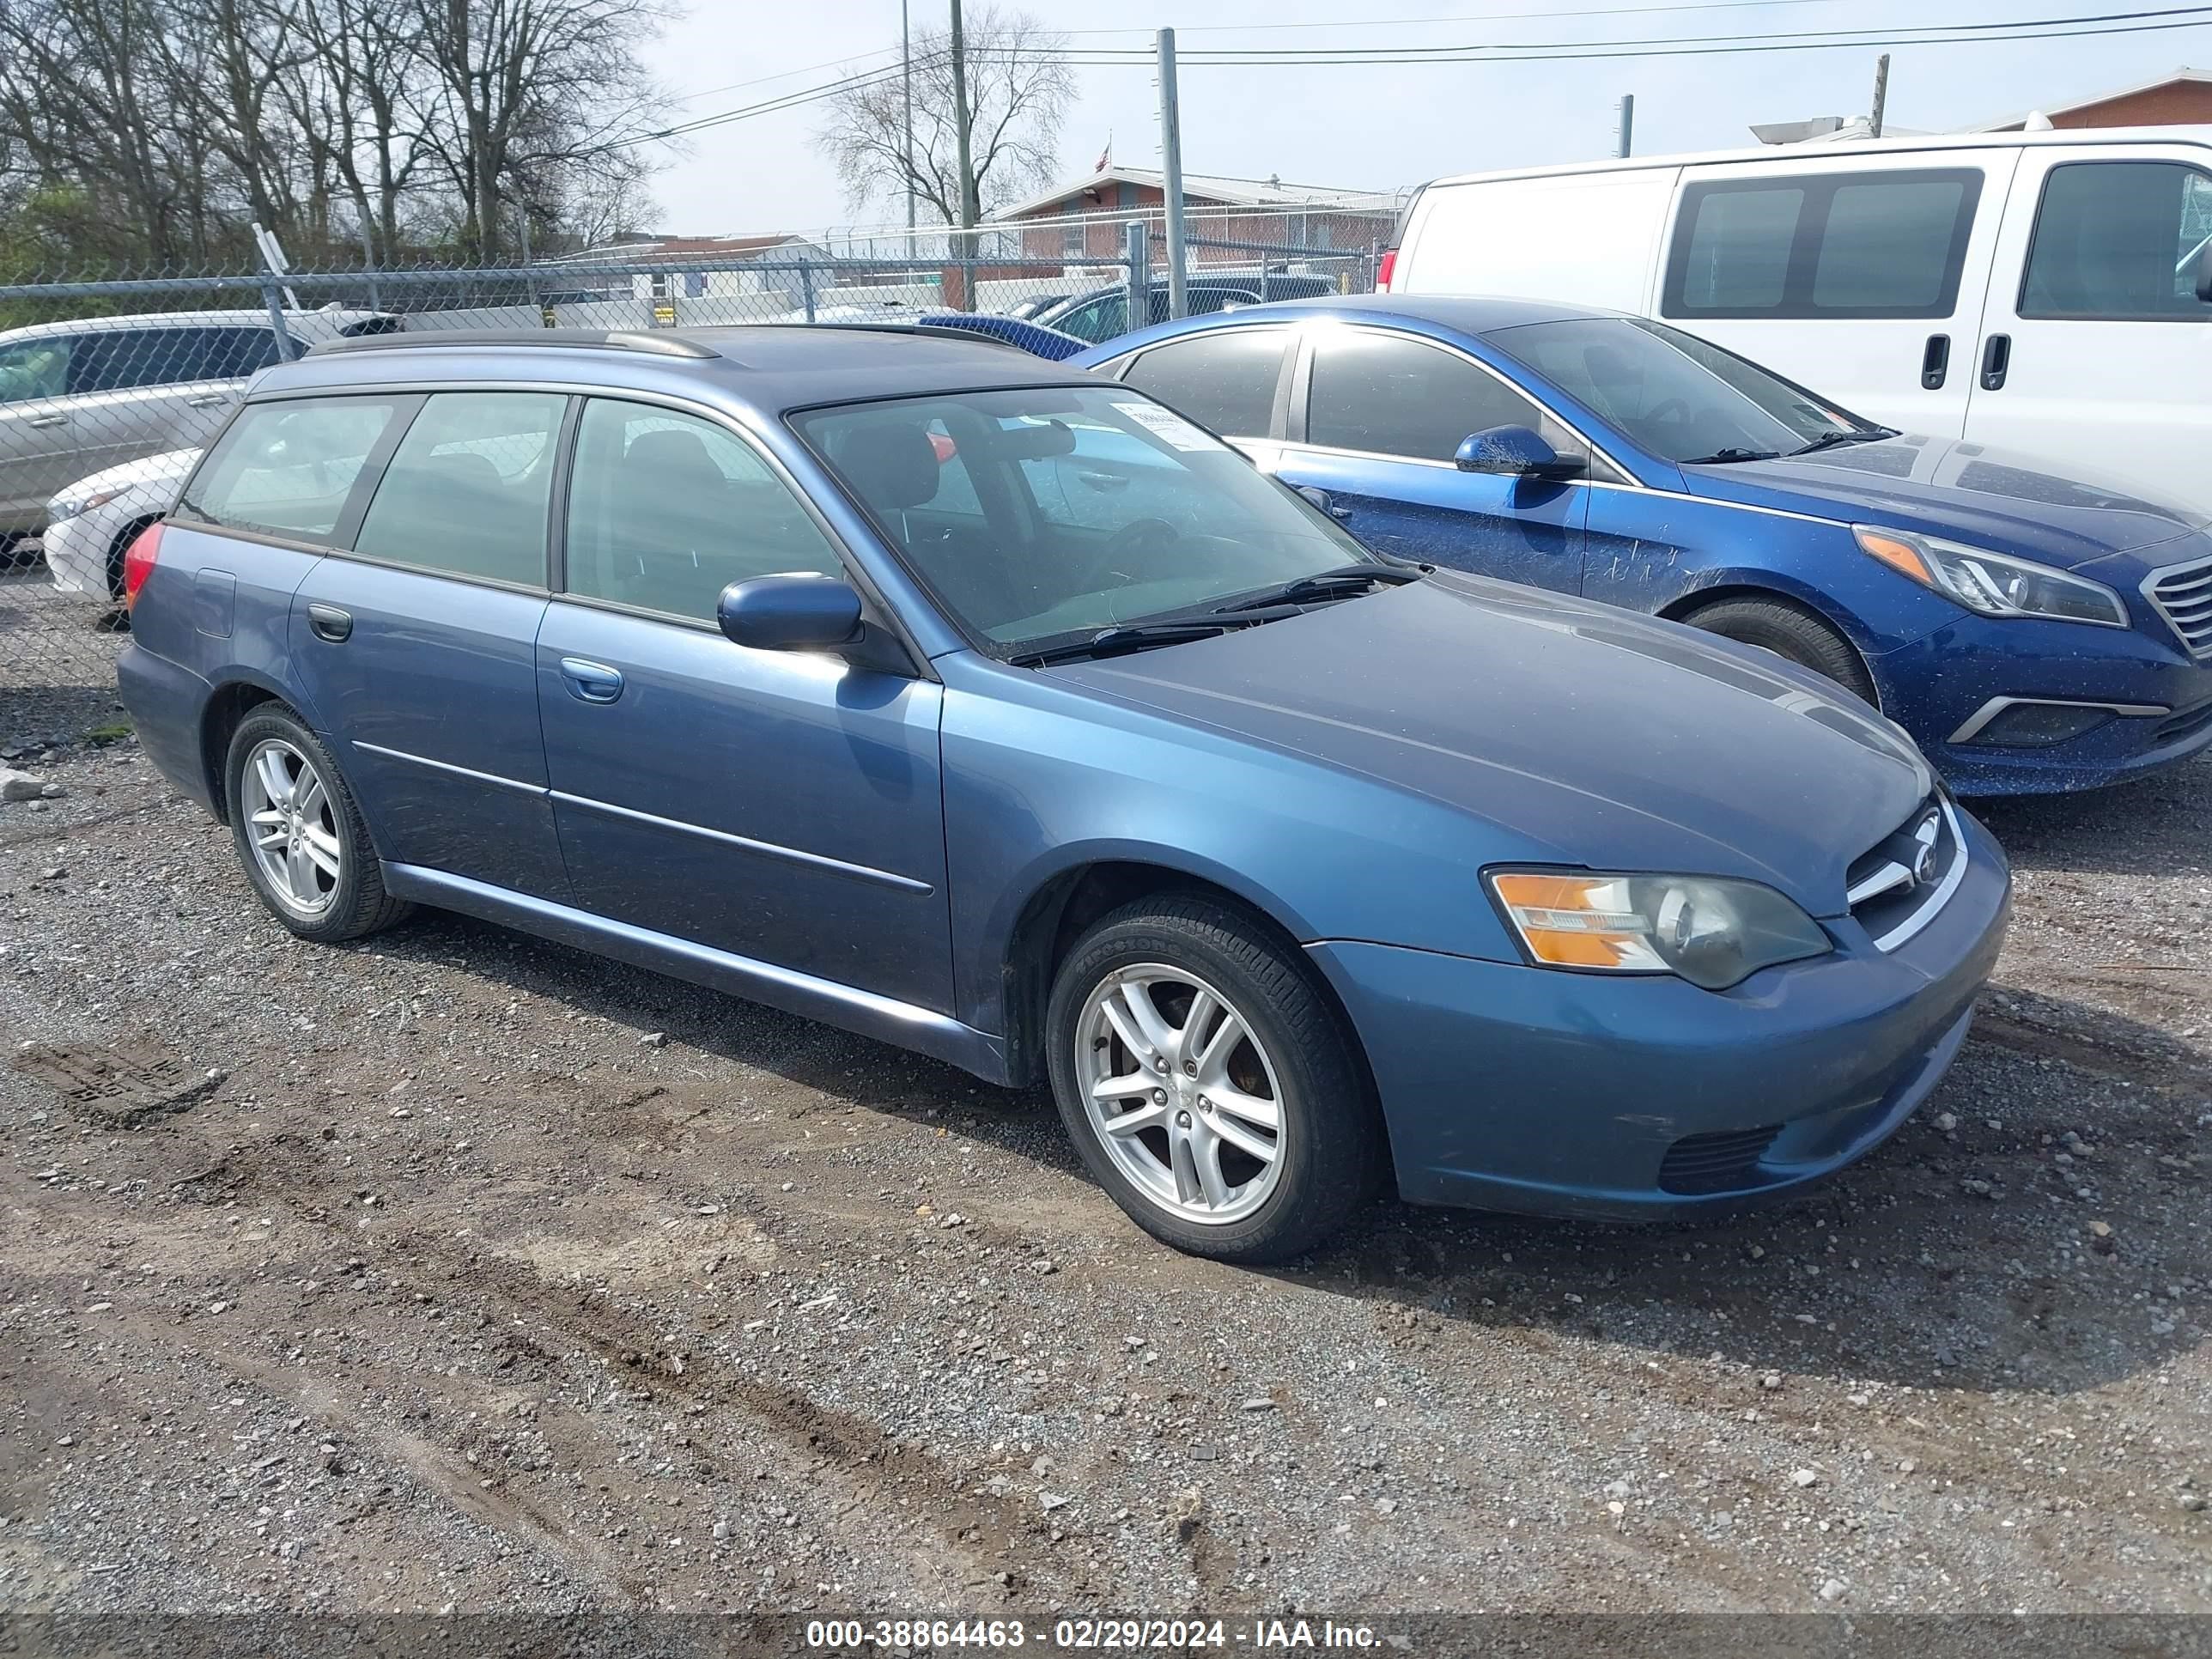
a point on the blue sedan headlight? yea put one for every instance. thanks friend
(1994, 584)
(1709, 930)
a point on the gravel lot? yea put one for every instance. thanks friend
(461, 1271)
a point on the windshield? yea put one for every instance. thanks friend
(1673, 394)
(1048, 513)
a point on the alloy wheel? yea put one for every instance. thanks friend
(291, 823)
(1181, 1093)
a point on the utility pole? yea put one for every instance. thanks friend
(961, 121)
(1880, 94)
(1170, 175)
(1627, 124)
(906, 93)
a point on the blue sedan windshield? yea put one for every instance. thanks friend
(1672, 394)
(1051, 513)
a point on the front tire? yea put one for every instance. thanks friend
(1793, 633)
(1209, 1082)
(299, 834)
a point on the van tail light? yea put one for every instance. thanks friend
(138, 563)
(1386, 269)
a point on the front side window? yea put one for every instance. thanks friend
(1398, 397)
(466, 492)
(1098, 508)
(1224, 380)
(1672, 395)
(36, 367)
(1100, 320)
(288, 468)
(1846, 245)
(2121, 241)
(666, 510)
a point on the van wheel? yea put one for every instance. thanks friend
(1209, 1084)
(1790, 631)
(299, 833)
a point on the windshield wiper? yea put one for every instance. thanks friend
(1340, 583)
(1846, 435)
(1129, 636)
(1724, 457)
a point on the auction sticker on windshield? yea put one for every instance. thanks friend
(1168, 426)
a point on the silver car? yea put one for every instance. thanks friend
(78, 398)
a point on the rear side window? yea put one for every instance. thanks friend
(666, 510)
(1850, 245)
(37, 368)
(1225, 381)
(287, 469)
(2119, 240)
(466, 492)
(1396, 397)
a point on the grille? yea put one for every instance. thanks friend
(2183, 723)
(1896, 888)
(2183, 595)
(1716, 1163)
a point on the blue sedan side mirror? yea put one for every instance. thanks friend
(790, 613)
(1515, 450)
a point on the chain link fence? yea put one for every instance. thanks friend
(111, 383)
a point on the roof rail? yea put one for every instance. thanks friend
(658, 344)
(949, 331)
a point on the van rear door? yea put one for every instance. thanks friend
(2095, 350)
(1859, 277)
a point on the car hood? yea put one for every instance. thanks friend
(1600, 737)
(2049, 511)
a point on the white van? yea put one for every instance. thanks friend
(2048, 292)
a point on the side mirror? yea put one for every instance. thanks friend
(1321, 499)
(1515, 451)
(790, 613)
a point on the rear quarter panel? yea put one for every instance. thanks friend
(219, 607)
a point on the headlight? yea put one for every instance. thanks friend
(1994, 584)
(1707, 929)
(70, 506)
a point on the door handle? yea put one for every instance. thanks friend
(1936, 362)
(207, 400)
(591, 682)
(1103, 480)
(329, 624)
(47, 420)
(1996, 362)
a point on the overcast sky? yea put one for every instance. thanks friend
(1370, 127)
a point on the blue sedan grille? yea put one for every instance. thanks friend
(1720, 1162)
(1899, 885)
(2183, 595)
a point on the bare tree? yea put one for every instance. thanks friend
(154, 130)
(536, 97)
(1018, 88)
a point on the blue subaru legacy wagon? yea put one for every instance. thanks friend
(2033, 631)
(995, 711)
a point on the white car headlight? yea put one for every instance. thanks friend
(1993, 584)
(70, 507)
(1710, 930)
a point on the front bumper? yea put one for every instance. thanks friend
(1508, 1087)
(1938, 685)
(77, 558)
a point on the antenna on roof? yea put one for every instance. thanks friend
(2037, 122)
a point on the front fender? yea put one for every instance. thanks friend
(1042, 780)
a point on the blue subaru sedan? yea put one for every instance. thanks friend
(1000, 712)
(2033, 632)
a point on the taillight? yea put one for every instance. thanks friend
(138, 563)
(1383, 272)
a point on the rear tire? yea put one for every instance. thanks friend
(1215, 1025)
(1790, 631)
(299, 834)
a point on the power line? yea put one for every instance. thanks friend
(1465, 17)
(1414, 54)
(850, 58)
(2046, 29)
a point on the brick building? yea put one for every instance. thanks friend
(2182, 98)
(1082, 222)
